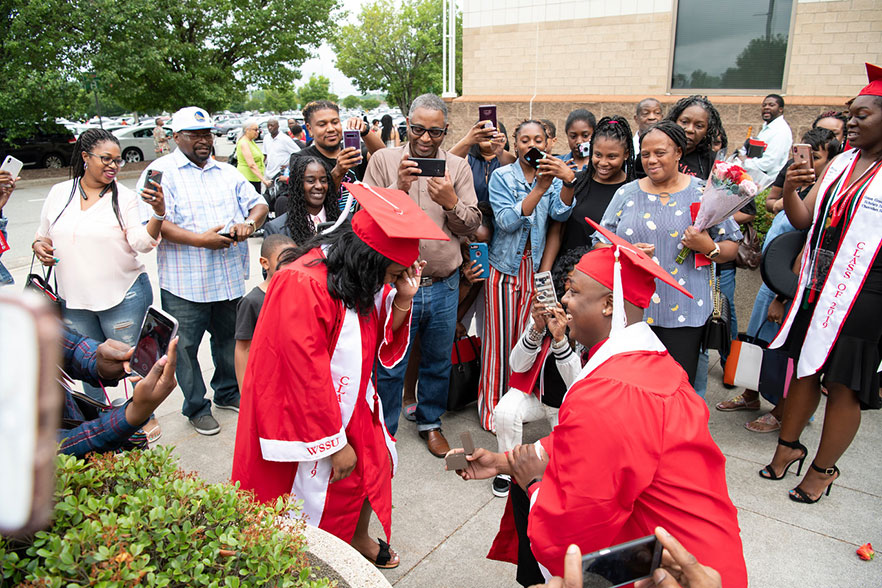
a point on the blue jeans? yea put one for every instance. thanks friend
(434, 318)
(194, 318)
(701, 373)
(727, 289)
(121, 322)
(758, 326)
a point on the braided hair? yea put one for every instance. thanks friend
(86, 142)
(714, 123)
(521, 125)
(674, 132)
(617, 129)
(299, 222)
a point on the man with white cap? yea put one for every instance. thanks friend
(632, 450)
(202, 271)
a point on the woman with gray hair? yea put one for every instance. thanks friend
(249, 157)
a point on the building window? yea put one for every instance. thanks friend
(731, 45)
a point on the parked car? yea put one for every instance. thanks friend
(136, 143)
(51, 145)
(221, 128)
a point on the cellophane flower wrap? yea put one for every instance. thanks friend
(728, 189)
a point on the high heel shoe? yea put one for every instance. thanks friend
(800, 495)
(769, 474)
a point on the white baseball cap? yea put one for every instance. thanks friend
(190, 118)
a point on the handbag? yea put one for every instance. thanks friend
(749, 249)
(754, 366)
(716, 329)
(465, 373)
(39, 283)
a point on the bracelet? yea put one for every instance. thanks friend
(533, 481)
(157, 217)
(534, 336)
(402, 309)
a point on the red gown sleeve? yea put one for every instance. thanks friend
(392, 344)
(296, 411)
(603, 454)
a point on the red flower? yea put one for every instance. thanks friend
(865, 552)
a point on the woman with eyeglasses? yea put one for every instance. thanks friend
(249, 157)
(91, 233)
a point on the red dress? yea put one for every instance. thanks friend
(307, 393)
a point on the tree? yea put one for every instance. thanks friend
(369, 103)
(280, 100)
(396, 51)
(167, 53)
(351, 102)
(316, 88)
(759, 65)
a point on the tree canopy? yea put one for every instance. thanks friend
(396, 50)
(316, 88)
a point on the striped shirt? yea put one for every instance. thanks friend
(198, 199)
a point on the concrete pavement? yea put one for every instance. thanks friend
(443, 527)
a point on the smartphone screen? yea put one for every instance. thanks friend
(544, 289)
(351, 138)
(478, 254)
(12, 165)
(622, 564)
(157, 331)
(487, 112)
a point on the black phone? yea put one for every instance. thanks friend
(157, 332)
(533, 156)
(487, 112)
(351, 138)
(621, 564)
(430, 167)
(153, 175)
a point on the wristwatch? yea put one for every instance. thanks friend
(713, 254)
(365, 132)
(569, 184)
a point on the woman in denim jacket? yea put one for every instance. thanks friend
(523, 199)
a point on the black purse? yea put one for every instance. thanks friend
(716, 329)
(39, 283)
(465, 373)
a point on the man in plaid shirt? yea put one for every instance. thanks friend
(211, 210)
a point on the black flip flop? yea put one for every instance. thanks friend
(383, 557)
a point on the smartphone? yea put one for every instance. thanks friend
(478, 254)
(487, 112)
(153, 175)
(351, 138)
(430, 167)
(544, 289)
(802, 153)
(533, 156)
(12, 165)
(585, 149)
(157, 332)
(622, 564)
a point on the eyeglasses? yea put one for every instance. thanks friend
(419, 131)
(204, 136)
(107, 160)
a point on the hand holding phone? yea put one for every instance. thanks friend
(533, 156)
(622, 564)
(478, 255)
(12, 165)
(429, 167)
(802, 153)
(351, 138)
(487, 113)
(157, 332)
(544, 287)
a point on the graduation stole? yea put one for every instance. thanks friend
(859, 206)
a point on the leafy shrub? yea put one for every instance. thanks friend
(135, 518)
(764, 218)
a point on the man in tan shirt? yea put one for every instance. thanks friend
(451, 202)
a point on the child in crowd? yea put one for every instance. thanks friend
(249, 306)
(579, 127)
(551, 131)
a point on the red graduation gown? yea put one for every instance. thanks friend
(633, 451)
(307, 393)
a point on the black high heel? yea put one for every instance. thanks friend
(799, 495)
(769, 474)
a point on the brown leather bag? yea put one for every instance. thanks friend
(749, 250)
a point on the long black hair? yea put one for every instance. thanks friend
(611, 127)
(299, 222)
(86, 142)
(355, 271)
(705, 147)
(388, 128)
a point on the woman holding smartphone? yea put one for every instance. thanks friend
(525, 196)
(91, 231)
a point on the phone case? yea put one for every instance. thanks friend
(158, 347)
(544, 289)
(12, 165)
(351, 138)
(478, 254)
(533, 156)
(430, 167)
(488, 113)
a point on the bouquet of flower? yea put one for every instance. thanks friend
(728, 188)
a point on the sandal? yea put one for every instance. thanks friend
(152, 430)
(738, 403)
(410, 412)
(800, 495)
(764, 424)
(384, 557)
(769, 474)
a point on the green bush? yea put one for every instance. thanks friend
(135, 518)
(764, 218)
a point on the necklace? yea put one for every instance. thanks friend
(86, 196)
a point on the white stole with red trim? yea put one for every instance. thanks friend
(857, 250)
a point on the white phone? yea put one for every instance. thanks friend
(12, 165)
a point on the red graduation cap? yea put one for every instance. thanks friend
(874, 74)
(391, 223)
(637, 270)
